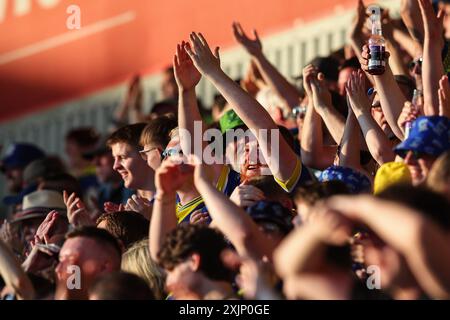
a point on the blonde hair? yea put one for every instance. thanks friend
(137, 260)
(439, 177)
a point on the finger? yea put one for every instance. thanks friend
(203, 40)
(255, 33)
(217, 53)
(196, 42)
(65, 196)
(74, 204)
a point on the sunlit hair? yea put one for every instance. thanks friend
(137, 260)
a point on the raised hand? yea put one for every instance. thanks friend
(186, 74)
(356, 93)
(253, 46)
(76, 211)
(200, 53)
(320, 93)
(433, 25)
(360, 19)
(364, 61)
(170, 176)
(444, 97)
(246, 195)
(309, 73)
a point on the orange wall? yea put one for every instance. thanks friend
(143, 42)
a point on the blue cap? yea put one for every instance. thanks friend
(272, 212)
(429, 135)
(19, 155)
(356, 181)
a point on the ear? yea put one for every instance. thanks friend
(195, 262)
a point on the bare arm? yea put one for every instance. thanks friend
(314, 153)
(232, 220)
(349, 154)
(247, 108)
(377, 142)
(13, 275)
(423, 244)
(391, 96)
(432, 67)
(284, 89)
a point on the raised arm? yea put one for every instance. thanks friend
(232, 220)
(285, 90)
(391, 96)
(377, 142)
(187, 78)
(13, 275)
(248, 109)
(349, 151)
(168, 179)
(432, 67)
(420, 241)
(334, 121)
(314, 153)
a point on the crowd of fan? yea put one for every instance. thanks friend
(355, 203)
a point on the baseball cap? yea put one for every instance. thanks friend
(39, 203)
(429, 135)
(272, 212)
(230, 120)
(389, 174)
(356, 181)
(19, 155)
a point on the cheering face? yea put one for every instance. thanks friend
(131, 167)
(251, 160)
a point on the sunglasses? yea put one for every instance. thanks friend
(171, 152)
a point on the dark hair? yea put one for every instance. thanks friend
(129, 134)
(157, 131)
(186, 240)
(328, 66)
(431, 204)
(121, 286)
(311, 192)
(165, 107)
(220, 101)
(101, 236)
(126, 226)
(350, 63)
(85, 137)
(61, 182)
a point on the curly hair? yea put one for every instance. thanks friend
(186, 240)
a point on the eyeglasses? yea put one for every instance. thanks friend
(171, 152)
(144, 153)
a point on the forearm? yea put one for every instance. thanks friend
(163, 221)
(234, 222)
(432, 71)
(391, 99)
(350, 147)
(334, 121)
(377, 142)
(406, 42)
(395, 60)
(314, 153)
(285, 90)
(299, 252)
(13, 275)
(189, 119)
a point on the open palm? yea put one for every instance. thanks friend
(186, 74)
(254, 46)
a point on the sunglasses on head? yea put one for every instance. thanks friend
(413, 63)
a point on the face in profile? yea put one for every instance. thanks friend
(419, 165)
(132, 168)
(181, 281)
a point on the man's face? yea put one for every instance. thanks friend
(251, 160)
(104, 168)
(130, 165)
(182, 280)
(14, 179)
(73, 153)
(84, 253)
(419, 165)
